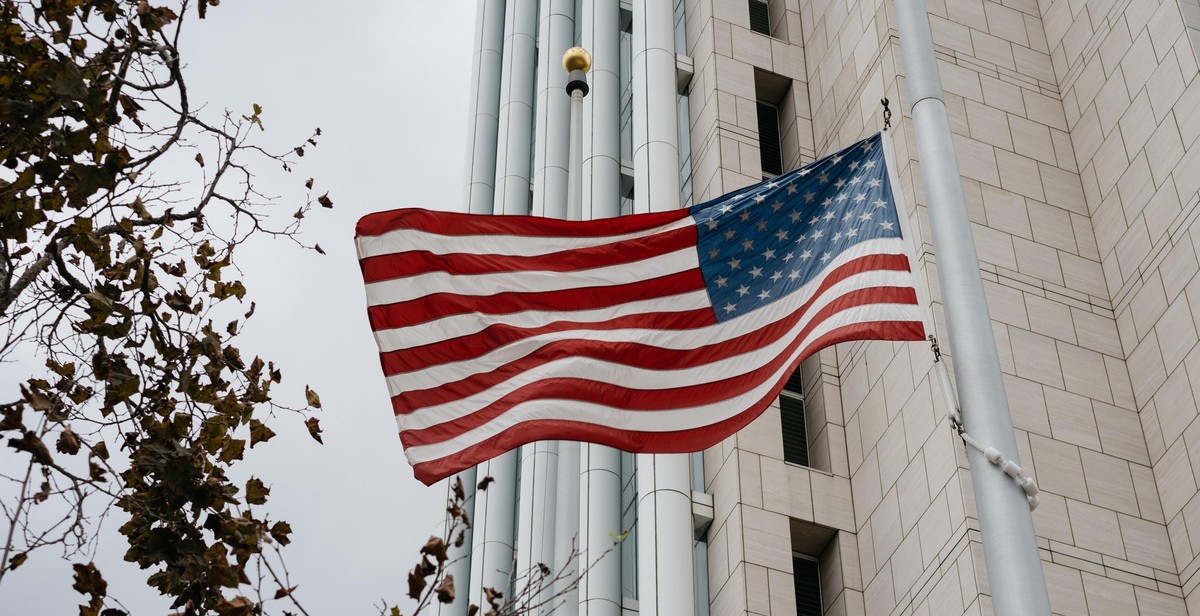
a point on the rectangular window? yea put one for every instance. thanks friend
(760, 17)
(806, 573)
(770, 149)
(795, 431)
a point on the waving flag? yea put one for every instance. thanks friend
(654, 333)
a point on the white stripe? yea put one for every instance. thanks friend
(635, 377)
(404, 240)
(466, 324)
(651, 421)
(459, 325)
(414, 287)
(435, 376)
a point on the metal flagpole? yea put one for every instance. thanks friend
(1018, 586)
(576, 61)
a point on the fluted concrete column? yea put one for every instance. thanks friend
(600, 466)
(535, 518)
(551, 122)
(602, 111)
(515, 134)
(484, 116)
(665, 576)
(495, 517)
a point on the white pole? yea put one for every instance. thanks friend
(1018, 587)
(566, 540)
(664, 488)
(485, 108)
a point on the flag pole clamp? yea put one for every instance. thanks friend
(993, 455)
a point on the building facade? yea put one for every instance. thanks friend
(1076, 124)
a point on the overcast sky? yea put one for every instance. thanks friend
(387, 82)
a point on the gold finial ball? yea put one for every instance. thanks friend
(577, 59)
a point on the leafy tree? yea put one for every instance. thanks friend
(117, 270)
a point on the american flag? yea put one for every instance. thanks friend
(655, 333)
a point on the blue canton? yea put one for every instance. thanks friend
(765, 241)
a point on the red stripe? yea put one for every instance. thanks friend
(645, 356)
(496, 336)
(440, 305)
(614, 395)
(451, 223)
(652, 442)
(412, 263)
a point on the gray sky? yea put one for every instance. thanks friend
(387, 82)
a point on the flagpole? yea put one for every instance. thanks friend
(1018, 586)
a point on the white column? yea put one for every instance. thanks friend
(602, 111)
(552, 121)
(535, 518)
(485, 107)
(478, 198)
(495, 513)
(515, 134)
(600, 474)
(665, 576)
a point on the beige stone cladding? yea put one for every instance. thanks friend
(1076, 124)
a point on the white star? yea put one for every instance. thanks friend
(769, 253)
(854, 165)
(742, 290)
(887, 226)
(775, 207)
(827, 202)
(730, 308)
(806, 255)
(795, 216)
(841, 198)
(839, 184)
(729, 234)
(865, 216)
(747, 245)
(852, 233)
(870, 164)
(737, 196)
(837, 236)
(712, 254)
(792, 187)
(867, 146)
(776, 276)
(825, 257)
(721, 281)
(836, 159)
(761, 226)
(759, 198)
(735, 263)
(830, 215)
(817, 234)
(764, 295)
(772, 184)
(745, 215)
(788, 257)
(795, 275)
(805, 171)
(755, 272)
(856, 179)
(809, 196)
(874, 182)
(880, 203)
(848, 216)
(782, 235)
(726, 208)
(823, 178)
(712, 224)
(815, 220)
